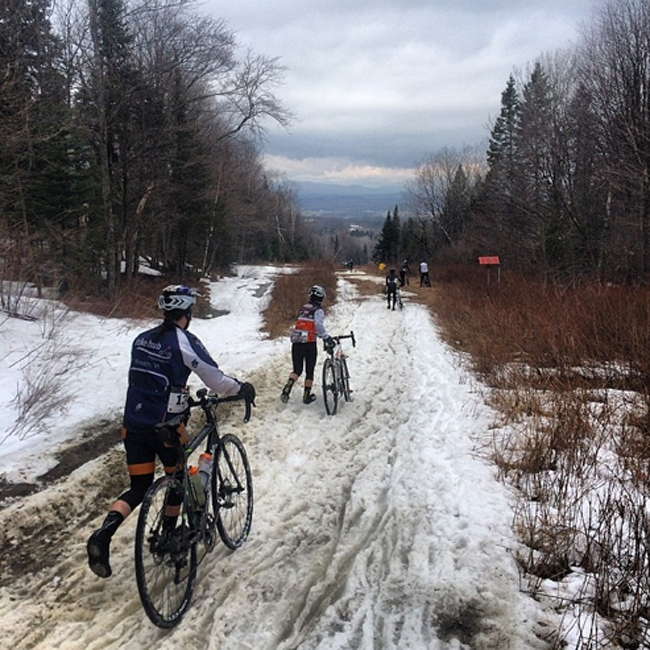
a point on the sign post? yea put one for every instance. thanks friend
(489, 261)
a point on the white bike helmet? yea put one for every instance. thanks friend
(176, 297)
(316, 293)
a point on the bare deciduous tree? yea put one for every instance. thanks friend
(430, 195)
(615, 71)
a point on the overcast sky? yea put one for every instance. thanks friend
(378, 84)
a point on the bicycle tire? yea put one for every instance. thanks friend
(232, 491)
(330, 391)
(345, 378)
(165, 561)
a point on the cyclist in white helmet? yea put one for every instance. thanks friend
(162, 359)
(309, 327)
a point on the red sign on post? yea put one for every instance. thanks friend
(490, 260)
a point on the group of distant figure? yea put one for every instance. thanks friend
(394, 282)
(405, 272)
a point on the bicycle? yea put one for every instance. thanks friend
(400, 304)
(178, 513)
(336, 376)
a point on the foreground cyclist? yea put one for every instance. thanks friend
(309, 326)
(162, 359)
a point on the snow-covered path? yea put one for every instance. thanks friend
(379, 527)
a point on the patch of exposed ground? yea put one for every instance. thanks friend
(93, 441)
(37, 519)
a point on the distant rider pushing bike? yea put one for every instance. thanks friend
(310, 325)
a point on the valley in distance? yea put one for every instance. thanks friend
(323, 203)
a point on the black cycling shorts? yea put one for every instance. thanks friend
(142, 447)
(304, 355)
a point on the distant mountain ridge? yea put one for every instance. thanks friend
(347, 200)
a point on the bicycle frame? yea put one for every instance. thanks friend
(336, 377)
(209, 432)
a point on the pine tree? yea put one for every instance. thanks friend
(540, 227)
(502, 145)
(387, 246)
(33, 159)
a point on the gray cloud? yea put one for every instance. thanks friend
(378, 84)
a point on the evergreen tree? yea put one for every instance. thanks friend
(500, 194)
(387, 246)
(34, 166)
(502, 145)
(540, 230)
(395, 237)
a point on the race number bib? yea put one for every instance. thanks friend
(299, 336)
(178, 399)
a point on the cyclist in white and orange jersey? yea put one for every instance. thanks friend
(309, 327)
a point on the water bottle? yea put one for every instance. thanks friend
(205, 466)
(197, 485)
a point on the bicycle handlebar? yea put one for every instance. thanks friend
(346, 336)
(204, 400)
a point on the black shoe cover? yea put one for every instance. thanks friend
(98, 555)
(286, 391)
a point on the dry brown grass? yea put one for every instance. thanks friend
(588, 334)
(137, 300)
(291, 292)
(568, 372)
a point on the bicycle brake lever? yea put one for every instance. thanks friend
(247, 411)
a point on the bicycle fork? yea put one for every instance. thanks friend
(227, 485)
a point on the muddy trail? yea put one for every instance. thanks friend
(37, 519)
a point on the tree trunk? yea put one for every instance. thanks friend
(104, 161)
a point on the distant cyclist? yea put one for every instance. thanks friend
(404, 272)
(162, 359)
(309, 327)
(392, 282)
(424, 274)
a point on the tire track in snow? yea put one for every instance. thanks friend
(407, 593)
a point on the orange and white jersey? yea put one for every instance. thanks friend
(309, 324)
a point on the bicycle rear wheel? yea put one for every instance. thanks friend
(165, 557)
(232, 491)
(330, 389)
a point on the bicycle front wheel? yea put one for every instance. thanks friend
(330, 389)
(165, 557)
(232, 491)
(345, 379)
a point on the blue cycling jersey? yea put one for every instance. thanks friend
(162, 359)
